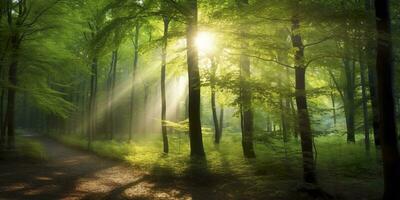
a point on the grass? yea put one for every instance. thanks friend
(274, 158)
(344, 169)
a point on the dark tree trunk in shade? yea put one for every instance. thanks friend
(302, 108)
(247, 117)
(387, 120)
(163, 94)
(132, 113)
(372, 79)
(364, 102)
(11, 93)
(221, 122)
(195, 133)
(349, 93)
(246, 110)
(333, 108)
(2, 119)
(217, 134)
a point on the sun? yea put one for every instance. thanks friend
(205, 42)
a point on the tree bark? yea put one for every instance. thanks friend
(302, 108)
(195, 133)
(163, 77)
(387, 119)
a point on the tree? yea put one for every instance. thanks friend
(387, 120)
(301, 101)
(195, 132)
(166, 22)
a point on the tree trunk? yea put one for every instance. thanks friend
(364, 103)
(12, 78)
(92, 102)
(246, 108)
(135, 65)
(387, 120)
(372, 80)
(221, 121)
(2, 122)
(163, 94)
(333, 109)
(217, 134)
(302, 109)
(195, 133)
(349, 102)
(111, 87)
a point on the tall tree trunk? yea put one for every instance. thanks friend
(111, 87)
(333, 109)
(302, 108)
(349, 101)
(217, 134)
(135, 65)
(12, 78)
(247, 118)
(372, 78)
(387, 119)
(364, 103)
(92, 102)
(195, 133)
(246, 108)
(163, 94)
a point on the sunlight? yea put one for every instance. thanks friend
(205, 42)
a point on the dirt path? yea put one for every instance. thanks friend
(73, 174)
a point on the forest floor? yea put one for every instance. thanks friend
(69, 173)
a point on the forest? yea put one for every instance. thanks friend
(199, 99)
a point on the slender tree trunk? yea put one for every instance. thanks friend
(387, 119)
(111, 86)
(163, 94)
(302, 108)
(364, 103)
(135, 65)
(2, 122)
(92, 102)
(114, 79)
(221, 121)
(217, 134)
(283, 120)
(333, 109)
(195, 133)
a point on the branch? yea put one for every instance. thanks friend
(336, 84)
(266, 60)
(318, 42)
(41, 13)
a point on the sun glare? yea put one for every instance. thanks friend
(205, 42)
